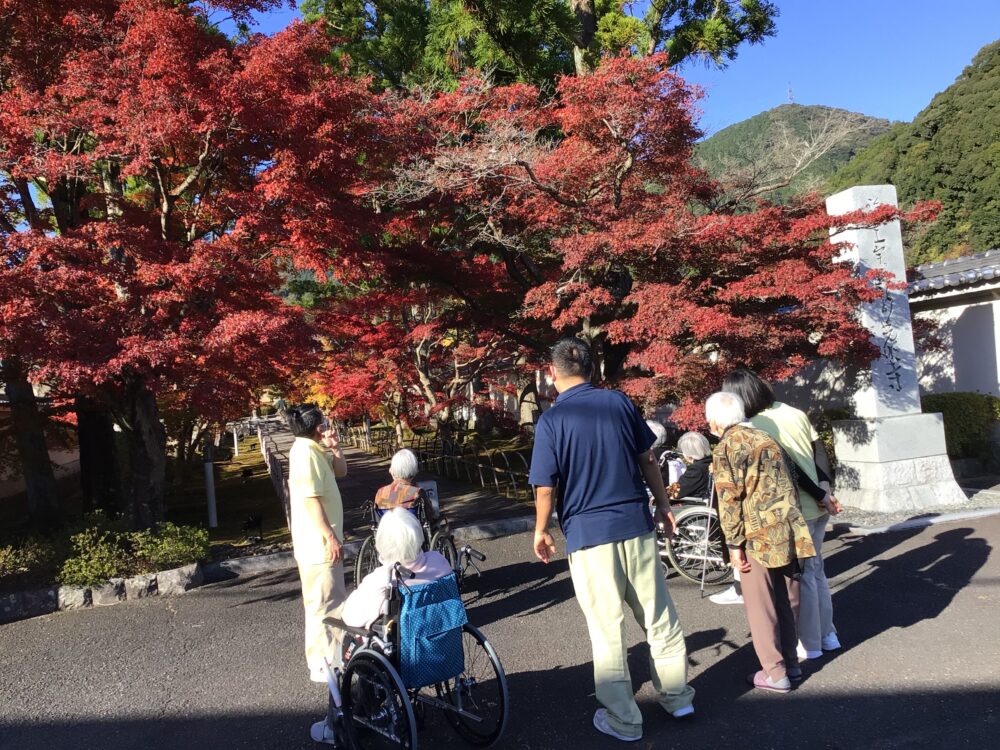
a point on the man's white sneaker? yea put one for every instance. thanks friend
(804, 654)
(830, 642)
(729, 596)
(320, 732)
(601, 725)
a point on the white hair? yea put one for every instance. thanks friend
(694, 445)
(724, 409)
(659, 430)
(404, 464)
(399, 537)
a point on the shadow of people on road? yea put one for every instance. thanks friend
(910, 587)
(519, 590)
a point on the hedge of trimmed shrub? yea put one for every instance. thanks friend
(99, 548)
(968, 420)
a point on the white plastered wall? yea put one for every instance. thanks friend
(969, 359)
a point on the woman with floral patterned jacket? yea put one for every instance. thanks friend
(765, 533)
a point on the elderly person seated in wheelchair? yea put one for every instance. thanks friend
(694, 482)
(402, 492)
(399, 539)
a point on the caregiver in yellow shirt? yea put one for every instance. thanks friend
(317, 529)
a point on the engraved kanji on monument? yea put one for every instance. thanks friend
(892, 457)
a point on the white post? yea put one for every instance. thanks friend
(236, 443)
(892, 457)
(213, 519)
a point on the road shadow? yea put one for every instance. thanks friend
(898, 592)
(547, 716)
(519, 590)
(916, 585)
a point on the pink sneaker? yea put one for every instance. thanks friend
(763, 682)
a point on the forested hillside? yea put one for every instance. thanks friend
(951, 153)
(795, 147)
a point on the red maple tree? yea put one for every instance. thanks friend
(157, 180)
(586, 213)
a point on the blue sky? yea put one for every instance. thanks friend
(885, 58)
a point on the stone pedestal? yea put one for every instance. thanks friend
(894, 463)
(892, 457)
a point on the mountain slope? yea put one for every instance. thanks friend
(774, 141)
(951, 153)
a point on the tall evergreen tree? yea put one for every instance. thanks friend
(403, 42)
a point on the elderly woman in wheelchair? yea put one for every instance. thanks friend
(407, 646)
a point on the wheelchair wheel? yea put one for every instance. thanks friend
(478, 695)
(688, 551)
(377, 708)
(445, 544)
(367, 560)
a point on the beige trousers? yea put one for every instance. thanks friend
(606, 578)
(323, 595)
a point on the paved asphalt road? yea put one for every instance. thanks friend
(223, 668)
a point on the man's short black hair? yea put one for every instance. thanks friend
(755, 393)
(571, 357)
(303, 419)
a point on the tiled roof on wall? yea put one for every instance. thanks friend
(956, 273)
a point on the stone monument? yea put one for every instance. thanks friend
(891, 457)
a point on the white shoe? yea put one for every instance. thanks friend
(683, 711)
(601, 725)
(830, 642)
(320, 732)
(804, 655)
(729, 596)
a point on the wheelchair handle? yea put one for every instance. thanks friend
(403, 572)
(475, 554)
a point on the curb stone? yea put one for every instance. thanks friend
(108, 593)
(179, 580)
(140, 587)
(74, 597)
(919, 522)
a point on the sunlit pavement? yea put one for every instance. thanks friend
(222, 667)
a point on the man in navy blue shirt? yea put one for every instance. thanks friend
(594, 446)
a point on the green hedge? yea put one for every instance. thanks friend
(968, 418)
(98, 548)
(100, 554)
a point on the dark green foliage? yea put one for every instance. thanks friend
(750, 140)
(823, 422)
(96, 549)
(968, 418)
(407, 42)
(97, 556)
(950, 153)
(170, 546)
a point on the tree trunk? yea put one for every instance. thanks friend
(527, 403)
(586, 17)
(147, 448)
(29, 432)
(100, 478)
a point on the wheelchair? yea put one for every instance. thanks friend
(437, 537)
(422, 654)
(697, 550)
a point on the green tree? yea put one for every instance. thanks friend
(402, 42)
